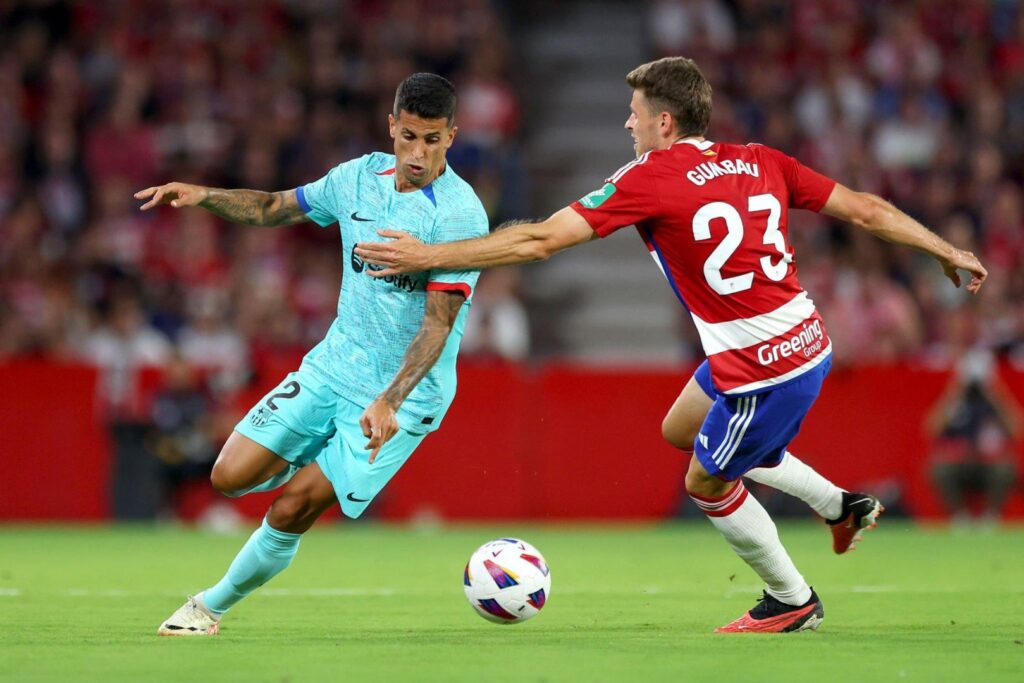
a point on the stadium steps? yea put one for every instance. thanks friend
(603, 302)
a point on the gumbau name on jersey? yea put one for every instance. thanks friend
(710, 170)
(807, 341)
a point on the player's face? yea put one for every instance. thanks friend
(645, 126)
(420, 146)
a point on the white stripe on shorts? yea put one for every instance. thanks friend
(730, 430)
(743, 430)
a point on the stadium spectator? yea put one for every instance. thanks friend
(182, 437)
(975, 424)
(499, 327)
(208, 343)
(124, 346)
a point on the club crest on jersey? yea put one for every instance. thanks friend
(260, 418)
(598, 197)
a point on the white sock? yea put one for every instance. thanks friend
(798, 479)
(752, 534)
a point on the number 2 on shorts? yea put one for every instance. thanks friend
(292, 390)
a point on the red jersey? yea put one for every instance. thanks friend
(715, 218)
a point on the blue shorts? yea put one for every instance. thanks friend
(302, 420)
(744, 432)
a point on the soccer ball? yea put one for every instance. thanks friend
(507, 581)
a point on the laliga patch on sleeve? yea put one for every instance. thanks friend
(598, 197)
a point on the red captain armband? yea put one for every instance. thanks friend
(460, 287)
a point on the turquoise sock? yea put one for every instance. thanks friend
(265, 555)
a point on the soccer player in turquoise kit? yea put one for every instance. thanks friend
(366, 396)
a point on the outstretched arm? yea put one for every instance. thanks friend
(512, 243)
(379, 422)
(250, 207)
(884, 220)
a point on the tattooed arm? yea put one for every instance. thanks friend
(251, 207)
(378, 421)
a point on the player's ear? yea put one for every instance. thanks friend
(391, 125)
(451, 136)
(665, 123)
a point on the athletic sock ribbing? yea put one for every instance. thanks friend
(798, 479)
(265, 555)
(747, 527)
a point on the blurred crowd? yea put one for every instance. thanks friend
(918, 101)
(103, 99)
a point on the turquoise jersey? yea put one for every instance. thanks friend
(378, 318)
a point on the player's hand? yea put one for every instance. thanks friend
(379, 424)
(964, 260)
(402, 253)
(175, 194)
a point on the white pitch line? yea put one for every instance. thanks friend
(327, 592)
(108, 593)
(9, 592)
(655, 592)
(270, 592)
(737, 590)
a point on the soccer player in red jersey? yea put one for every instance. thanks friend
(715, 219)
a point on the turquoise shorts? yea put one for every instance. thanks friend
(302, 420)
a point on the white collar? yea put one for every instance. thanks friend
(699, 144)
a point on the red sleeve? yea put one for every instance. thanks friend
(808, 189)
(628, 197)
(462, 287)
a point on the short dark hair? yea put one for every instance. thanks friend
(426, 95)
(676, 85)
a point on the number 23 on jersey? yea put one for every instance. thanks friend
(734, 224)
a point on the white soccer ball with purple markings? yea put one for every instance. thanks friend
(507, 581)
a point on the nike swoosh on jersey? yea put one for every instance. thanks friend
(356, 500)
(355, 217)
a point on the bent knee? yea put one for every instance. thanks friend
(676, 436)
(226, 478)
(695, 483)
(701, 483)
(290, 511)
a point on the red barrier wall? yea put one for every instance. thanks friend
(553, 443)
(54, 455)
(557, 442)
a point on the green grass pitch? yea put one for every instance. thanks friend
(368, 603)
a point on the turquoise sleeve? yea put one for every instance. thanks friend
(324, 200)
